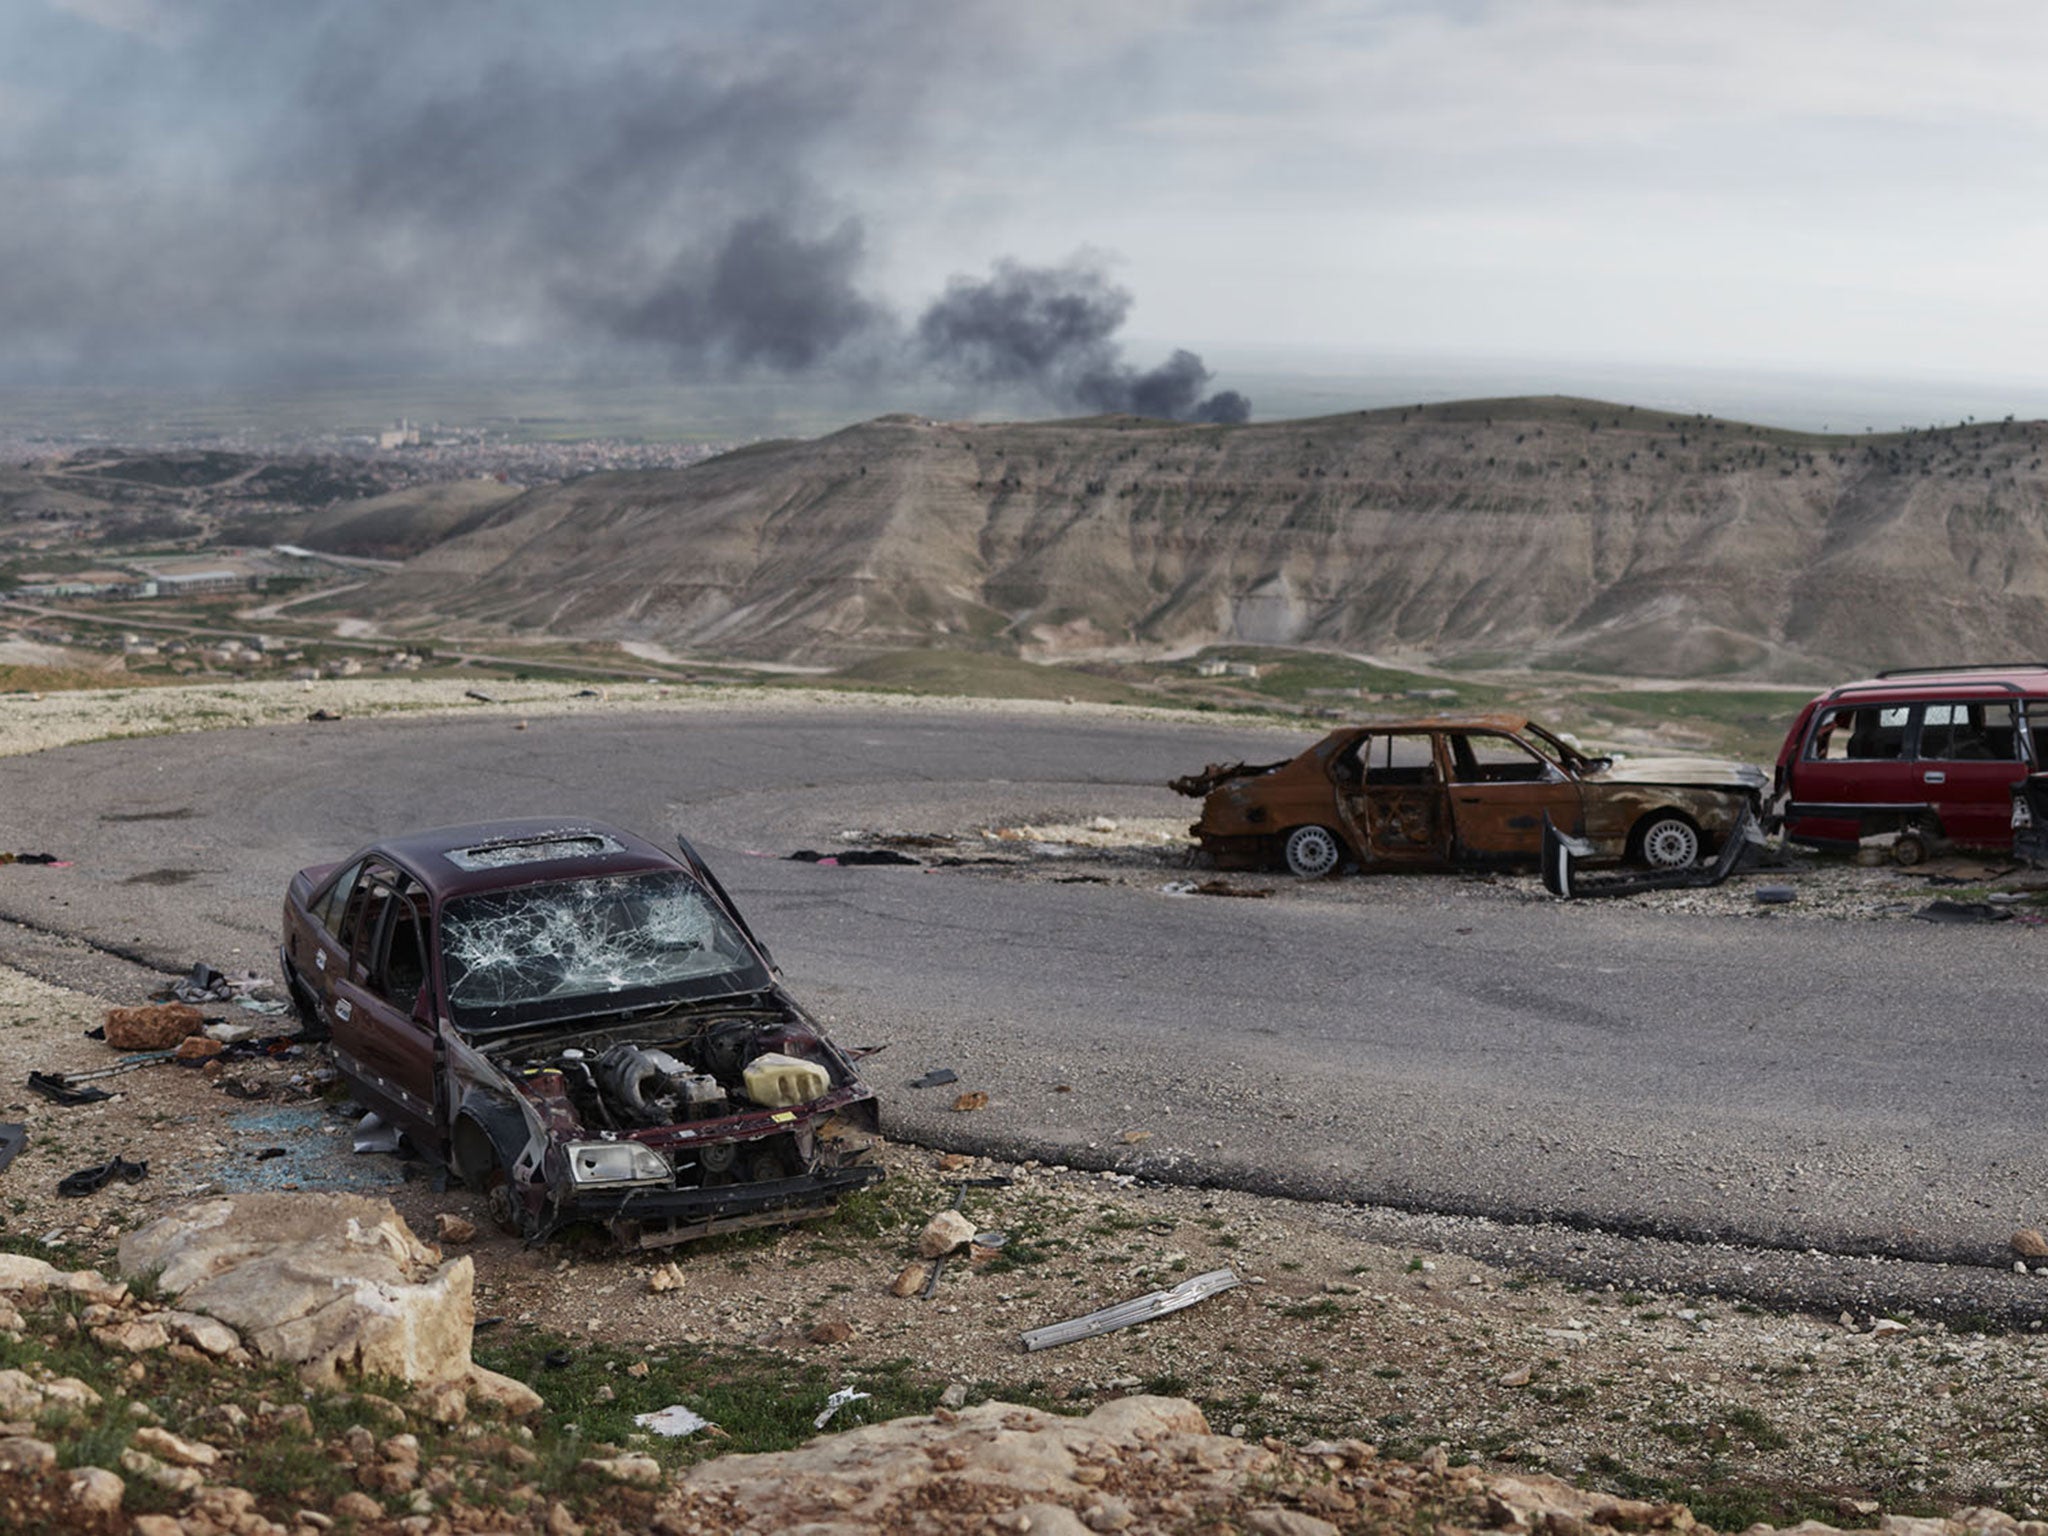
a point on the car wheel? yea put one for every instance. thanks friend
(1312, 852)
(1668, 841)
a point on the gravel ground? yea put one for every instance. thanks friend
(1351, 1321)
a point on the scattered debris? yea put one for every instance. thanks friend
(1225, 888)
(13, 1137)
(834, 1403)
(1139, 1309)
(674, 1421)
(853, 857)
(1774, 895)
(47, 860)
(1945, 911)
(323, 716)
(938, 1077)
(479, 695)
(970, 1101)
(1562, 853)
(87, 1181)
(55, 1087)
(207, 985)
(372, 1134)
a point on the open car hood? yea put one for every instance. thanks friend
(1692, 772)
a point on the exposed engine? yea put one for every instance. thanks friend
(721, 1068)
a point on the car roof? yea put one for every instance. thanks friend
(2024, 677)
(492, 855)
(1474, 722)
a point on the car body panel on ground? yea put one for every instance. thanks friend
(1460, 791)
(1923, 756)
(580, 1023)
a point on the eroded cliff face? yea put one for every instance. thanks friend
(1550, 530)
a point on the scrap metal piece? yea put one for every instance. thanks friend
(57, 1088)
(13, 1137)
(1140, 1309)
(374, 1134)
(1561, 853)
(834, 1403)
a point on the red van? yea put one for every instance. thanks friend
(1929, 754)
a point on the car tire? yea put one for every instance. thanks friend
(1312, 852)
(1667, 841)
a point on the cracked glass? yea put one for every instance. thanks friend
(573, 946)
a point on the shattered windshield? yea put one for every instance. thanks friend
(559, 948)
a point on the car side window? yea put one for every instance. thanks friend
(1484, 758)
(1859, 733)
(400, 967)
(1401, 758)
(328, 909)
(365, 904)
(1969, 732)
(387, 940)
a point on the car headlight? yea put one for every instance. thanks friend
(595, 1164)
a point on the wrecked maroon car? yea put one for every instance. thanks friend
(580, 1024)
(1463, 792)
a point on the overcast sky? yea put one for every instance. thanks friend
(1008, 193)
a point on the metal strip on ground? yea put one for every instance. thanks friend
(1138, 1310)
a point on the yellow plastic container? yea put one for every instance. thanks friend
(777, 1080)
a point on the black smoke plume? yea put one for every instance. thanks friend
(1053, 329)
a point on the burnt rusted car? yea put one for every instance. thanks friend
(580, 1024)
(1462, 791)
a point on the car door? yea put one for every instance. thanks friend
(317, 953)
(1970, 755)
(1392, 792)
(1500, 791)
(1854, 771)
(383, 1033)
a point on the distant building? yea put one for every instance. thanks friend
(403, 435)
(198, 583)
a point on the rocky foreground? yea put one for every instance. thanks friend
(300, 1363)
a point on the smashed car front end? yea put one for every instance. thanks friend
(1712, 794)
(658, 1132)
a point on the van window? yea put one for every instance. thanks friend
(1969, 732)
(1859, 733)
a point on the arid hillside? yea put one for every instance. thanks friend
(1563, 532)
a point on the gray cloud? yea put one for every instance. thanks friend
(233, 189)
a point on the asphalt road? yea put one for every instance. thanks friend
(1859, 1088)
